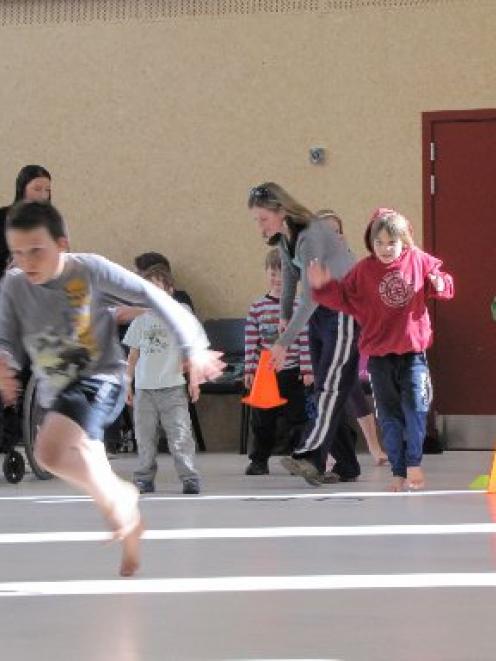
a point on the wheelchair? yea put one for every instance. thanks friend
(19, 426)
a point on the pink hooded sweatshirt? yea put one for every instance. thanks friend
(389, 301)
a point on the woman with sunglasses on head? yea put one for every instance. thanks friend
(301, 238)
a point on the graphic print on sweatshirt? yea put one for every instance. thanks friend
(61, 357)
(394, 290)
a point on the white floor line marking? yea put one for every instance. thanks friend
(248, 584)
(314, 495)
(320, 495)
(258, 533)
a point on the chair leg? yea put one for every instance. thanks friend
(195, 422)
(245, 428)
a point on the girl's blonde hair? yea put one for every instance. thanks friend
(393, 222)
(331, 215)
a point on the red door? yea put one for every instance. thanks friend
(460, 228)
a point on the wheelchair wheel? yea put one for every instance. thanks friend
(32, 417)
(14, 467)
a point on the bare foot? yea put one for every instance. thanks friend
(125, 520)
(131, 550)
(415, 478)
(380, 459)
(122, 514)
(398, 484)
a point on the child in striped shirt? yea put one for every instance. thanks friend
(262, 330)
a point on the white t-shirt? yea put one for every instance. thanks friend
(159, 362)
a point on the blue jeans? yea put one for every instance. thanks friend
(403, 393)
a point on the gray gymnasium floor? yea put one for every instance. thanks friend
(256, 568)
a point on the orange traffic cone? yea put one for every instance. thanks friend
(492, 477)
(264, 391)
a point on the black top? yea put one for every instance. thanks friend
(4, 251)
(183, 297)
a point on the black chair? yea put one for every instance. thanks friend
(228, 336)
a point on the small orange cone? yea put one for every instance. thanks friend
(492, 477)
(264, 391)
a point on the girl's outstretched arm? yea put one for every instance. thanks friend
(440, 285)
(329, 292)
(318, 275)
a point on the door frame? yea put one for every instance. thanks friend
(429, 120)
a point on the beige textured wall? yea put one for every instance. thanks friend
(154, 131)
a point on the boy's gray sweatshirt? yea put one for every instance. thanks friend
(67, 325)
(317, 241)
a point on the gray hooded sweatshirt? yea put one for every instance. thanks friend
(316, 241)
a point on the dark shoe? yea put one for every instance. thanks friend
(330, 477)
(348, 479)
(191, 486)
(257, 468)
(432, 444)
(145, 486)
(304, 469)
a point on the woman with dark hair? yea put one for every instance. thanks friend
(33, 184)
(301, 238)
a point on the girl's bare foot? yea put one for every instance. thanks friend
(398, 484)
(380, 459)
(415, 478)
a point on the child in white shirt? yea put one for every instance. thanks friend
(160, 397)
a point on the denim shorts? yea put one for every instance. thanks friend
(91, 403)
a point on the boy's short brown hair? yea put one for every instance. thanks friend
(273, 260)
(26, 216)
(161, 273)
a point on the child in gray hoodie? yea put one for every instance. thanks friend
(55, 307)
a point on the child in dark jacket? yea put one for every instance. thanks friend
(387, 294)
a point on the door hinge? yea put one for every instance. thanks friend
(433, 184)
(433, 152)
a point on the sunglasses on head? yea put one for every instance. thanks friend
(259, 194)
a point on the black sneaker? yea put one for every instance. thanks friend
(257, 468)
(145, 486)
(330, 477)
(191, 485)
(304, 468)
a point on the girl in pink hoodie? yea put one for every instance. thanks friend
(387, 294)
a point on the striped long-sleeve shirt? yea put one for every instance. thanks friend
(261, 332)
